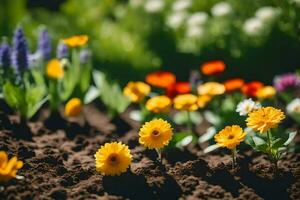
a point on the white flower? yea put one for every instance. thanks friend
(181, 5)
(194, 31)
(197, 19)
(176, 19)
(267, 13)
(246, 106)
(221, 9)
(135, 3)
(253, 26)
(154, 6)
(293, 106)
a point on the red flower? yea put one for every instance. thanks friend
(178, 88)
(161, 79)
(213, 67)
(251, 88)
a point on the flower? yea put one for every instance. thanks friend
(266, 92)
(113, 158)
(20, 50)
(55, 69)
(136, 91)
(62, 51)
(230, 136)
(161, 79)
(266, 13)
(178, 88)
(213, 67)
(85, 55)
(194, 79)
(253, 26)
(250, 89)
(155, 134)
(181, 5)
(211, 88)
(73, 107)
(221, 9)
(194, 32)
(186, 102)
(8, 168)
(286, 81)
(176, 19)
(264, 119)
(5, 55)
(246, 106)
(197, 19)
(159, 104)
(203, 100)
(76, 41)
(44, 44)
(233, 84)
(293, 106)
(154, 6)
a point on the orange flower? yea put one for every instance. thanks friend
(73, 107)
(161, 79)
(76, 40)
(55, 69)
(233, 84)
(213, 67)
(178, 88)
(251, 88)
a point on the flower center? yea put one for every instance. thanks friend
(155, 133)
(230, 137)
(113, 159)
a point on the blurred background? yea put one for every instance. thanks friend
(129, 38)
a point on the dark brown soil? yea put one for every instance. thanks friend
(59, 164)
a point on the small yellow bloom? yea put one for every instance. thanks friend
(186, 102)
(266, 92)
(113, 159)
(73, 107)
(55, 69)
(264, 119)
(159, 104)
(211, 89)
(230, 136)
(136, 91)
(8, 168)
(155, 134)
(76, 40)
(203, 100)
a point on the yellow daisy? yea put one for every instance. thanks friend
(203, 100)
(266, 92)
(264, 119)
(73, 107)
(55, 69)
(159, 104)
(136, 91)
(76, 40)
(113, 159)
(186, 102)
(211, 89)
(155, 134)
(230, 136)
(8, 168)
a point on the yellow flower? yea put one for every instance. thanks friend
(266, 92)
(8, 168)
(55, 69)
(73, 107)
(159, 104)
(203, 100)
(211, 88)
(113, 158)
(76, 40)
(136, 91)
(264, 119)
(155, 134)
(230, 136)
(186, 102)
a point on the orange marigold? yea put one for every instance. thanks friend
(161, 79)
(233, 84)
(213, 67)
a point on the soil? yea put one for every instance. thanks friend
(59, 164)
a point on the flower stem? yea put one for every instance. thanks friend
(272, 158)
(233, 154)
(159, 157)
(189, 122)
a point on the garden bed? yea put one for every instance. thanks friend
(59, 164)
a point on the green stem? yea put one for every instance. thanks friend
(159, 157)
(233, 154)
(273, 158)
(189, 122)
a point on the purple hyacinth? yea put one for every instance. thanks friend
(62, 51)
(20, 50)
(85, 55)
(285, 81)
(44, 46)
(5, 55)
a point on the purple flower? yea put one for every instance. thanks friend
(62, 51)
(285, 81)
(44, 46)
(85, 55)
(20, 51)
(5, 57)
(194, 79)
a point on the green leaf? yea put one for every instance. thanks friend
(291, 137)
(91, 95)
(181, 139)
(258, 141)
(14, 96)
(85, 79)
(211, 148)
(211, 131)
(279, 142)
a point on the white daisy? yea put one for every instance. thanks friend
(197, 19)
(253, 26)
(176, 19)
(154, 6)
(221, 9)
(246, 106)
(293, 106)
(181, 5)
(267, 13)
